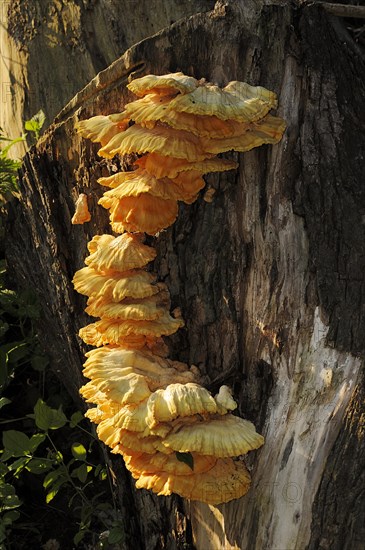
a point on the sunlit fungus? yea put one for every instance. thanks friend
(82, 213)
(174, 435)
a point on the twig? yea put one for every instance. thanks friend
(344, 10)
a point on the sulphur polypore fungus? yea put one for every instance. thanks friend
(82, 213)
(174, 436)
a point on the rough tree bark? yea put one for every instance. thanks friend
(269, 276)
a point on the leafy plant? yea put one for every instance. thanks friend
(9, 167)
(72, 471)
(78, 473)
(18, 311)
(35, 123)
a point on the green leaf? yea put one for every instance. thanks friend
(28, 304)
(186, 458)
(58, 457)
(4, 371)
(78, 451)
(6, 455)
(8, 301)
(18, 465)
(36, 440)
(10, 502)
(54, 490)
(3, 470)
(21, 305)
(53, 481)
(18, 352)
(53, 476)
(116, 535)
(86, 515)
(79, 536)
(97, 470)
(35, 123)
(8, 498)
(103, 475)
(39, 362)
(4, 401)
(81, 472)
(4, 151)
(10, 517)
(17, 443)
(31, 126)
(47, 418)
(76, 419)
(38, 466)
(6, 489)
(8, 176)
(104, 506)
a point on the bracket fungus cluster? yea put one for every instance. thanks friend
(174, 436)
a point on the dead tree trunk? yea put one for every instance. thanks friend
(269, 276)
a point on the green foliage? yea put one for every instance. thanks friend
(30, 449)
(116, 535)
(9, 167)
(18, 311)
(8, 176)
(186, 458)
(47, 418)
(39, 456)
(35, 123)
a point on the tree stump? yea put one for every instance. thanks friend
(269, 276)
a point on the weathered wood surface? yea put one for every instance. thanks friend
(269, 276)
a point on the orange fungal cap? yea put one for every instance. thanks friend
(82, 213)
(179, 400)
(225, 481)
(131, 388)
(112, 331)
(167, 84)
(102, 128)
(224, 400)
(267, 131)
(118, 253)
(237, 101)
(135, 442)
(160, 139)
(149, 308)
(147, 464)
(116, 285)
(145, 213)
(161, 166)
(152, 108)
(107, 362)
(184, 187)
(221, 436)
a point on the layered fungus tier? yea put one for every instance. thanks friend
(173, 434)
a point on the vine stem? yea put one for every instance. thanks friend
(77, 489)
